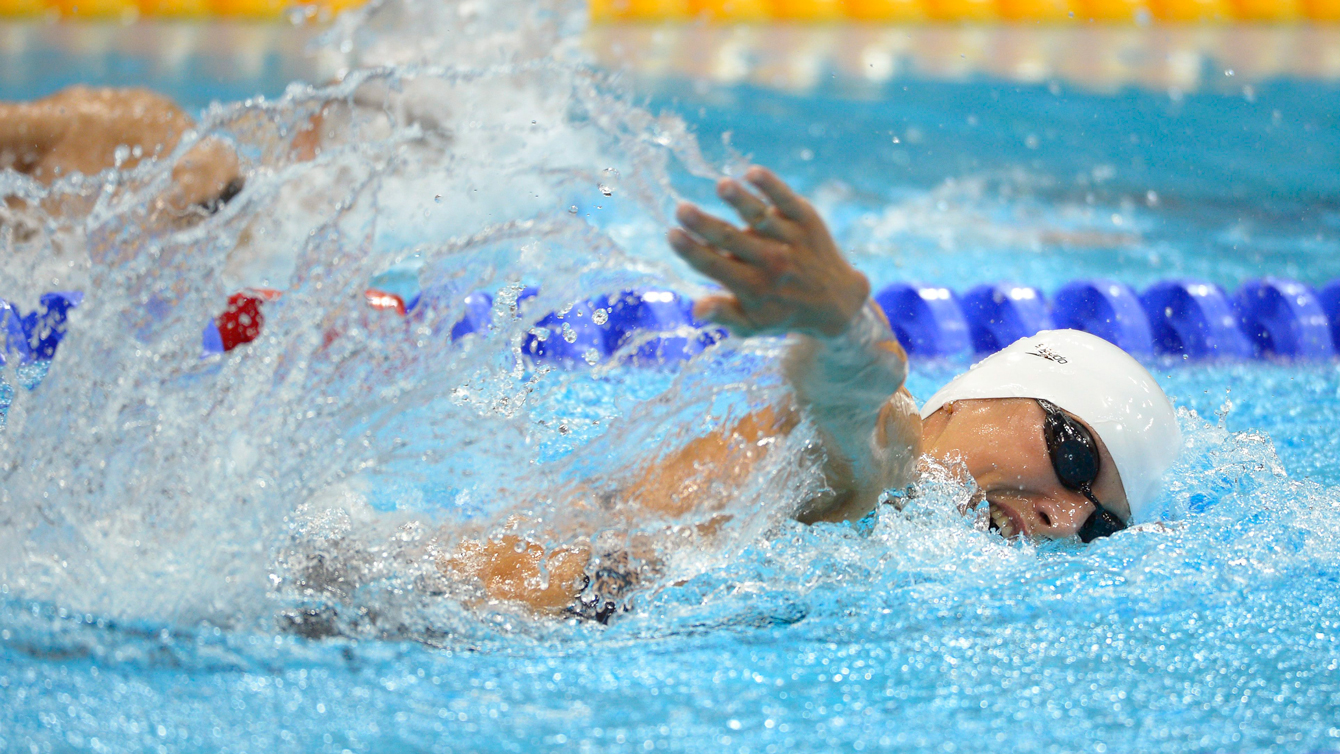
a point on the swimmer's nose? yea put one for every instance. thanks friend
(1060, 518)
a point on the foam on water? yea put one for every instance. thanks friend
(175, 528)
(142, 481)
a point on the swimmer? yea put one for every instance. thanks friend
(1063, 434)
(80, 130)
(87, 130)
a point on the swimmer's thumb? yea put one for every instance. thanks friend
(723, 310)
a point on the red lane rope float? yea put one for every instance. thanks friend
(240, 322)
(379, 299)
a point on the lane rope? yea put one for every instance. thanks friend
(1269, 318)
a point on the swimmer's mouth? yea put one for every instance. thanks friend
(1002, 522)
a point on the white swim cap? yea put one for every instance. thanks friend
(1095, 381)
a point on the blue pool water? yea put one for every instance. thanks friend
(167, 519)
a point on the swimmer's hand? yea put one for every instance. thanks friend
(783, 270)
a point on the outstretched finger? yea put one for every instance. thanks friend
(724, 310)
(754, 211)
(720, 233)
(789, 203)
(729, 272)
(750, 208)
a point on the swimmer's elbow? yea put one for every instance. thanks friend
(513, 570)
(899, 424)
(897, 441)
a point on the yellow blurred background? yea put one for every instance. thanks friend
(759, 11)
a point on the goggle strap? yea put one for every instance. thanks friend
(1102, 518)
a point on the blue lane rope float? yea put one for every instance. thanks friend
(568, 336)
(35, 336)
(679, 335)
(589, 331)
(476, 309)
(1194, 318)
(1108, 309)
(478, 315)
(1001, 313)
(1269, 318)
(11, 329)
(927, 319)
(595, 329)
(1284, 318)
(45, 327)
(1329, 296)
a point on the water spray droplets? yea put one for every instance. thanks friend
(611, 175)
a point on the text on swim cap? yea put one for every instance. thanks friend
(1048, 354)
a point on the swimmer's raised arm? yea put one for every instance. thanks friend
(785, 274)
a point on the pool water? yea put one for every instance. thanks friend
(237, 553)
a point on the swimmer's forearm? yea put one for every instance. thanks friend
(856, 370)
(845, 382)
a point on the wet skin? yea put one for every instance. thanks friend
(1000, 442)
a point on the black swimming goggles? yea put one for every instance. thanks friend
(1076, 461)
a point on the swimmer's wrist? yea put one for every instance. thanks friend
(865, 356)
(848, 302)
(868, 328)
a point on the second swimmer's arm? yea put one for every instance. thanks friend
(81, 129)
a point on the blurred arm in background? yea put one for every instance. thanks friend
(87, 130)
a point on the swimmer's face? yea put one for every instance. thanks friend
(1000, 441)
